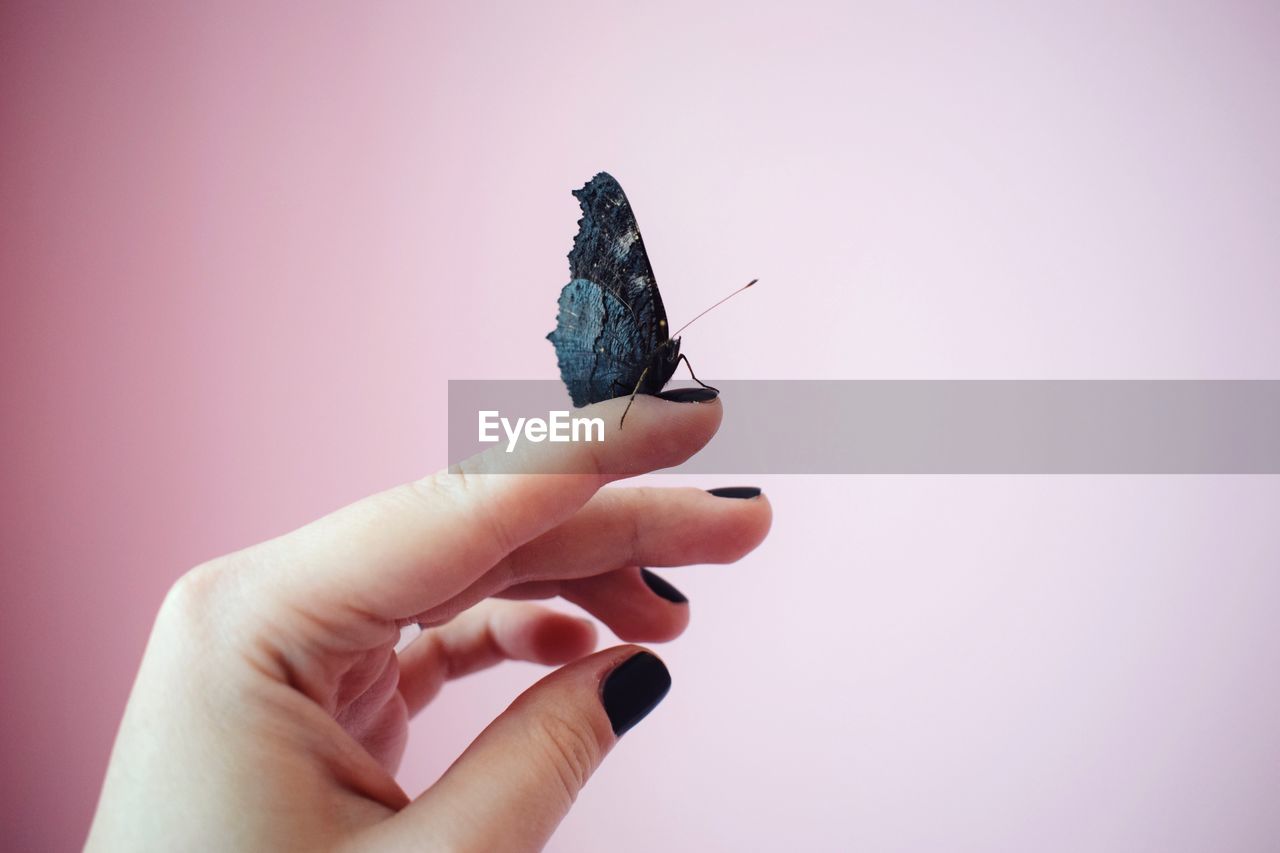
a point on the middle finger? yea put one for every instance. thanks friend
(622, 527)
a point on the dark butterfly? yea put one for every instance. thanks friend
(611, 334)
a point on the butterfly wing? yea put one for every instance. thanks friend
(596, 340)
(612, 323)
(610, 251)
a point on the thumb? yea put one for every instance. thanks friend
(514, 784)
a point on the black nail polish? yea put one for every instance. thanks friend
(662, 589)
(689, 395)
(633, 689)
(743, 492)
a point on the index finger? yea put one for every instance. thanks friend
(401, 552)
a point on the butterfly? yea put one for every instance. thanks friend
(611, 336)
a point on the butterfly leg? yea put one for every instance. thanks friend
(694, 375)
(639, 382)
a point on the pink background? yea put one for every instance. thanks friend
(243, 247)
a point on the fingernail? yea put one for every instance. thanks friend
(689, 395)
(743, 492)
(662, 589)
(633, 689)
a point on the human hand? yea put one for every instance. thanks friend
(271, 707)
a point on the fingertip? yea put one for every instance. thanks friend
(664, 620)
(751, 515)
(761, 509)
(523, 773)
(663, 588)
(625, 600)
(633, 688)
(657, 433)
(651, 628)
(559, 638)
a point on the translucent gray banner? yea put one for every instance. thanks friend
(928, 426)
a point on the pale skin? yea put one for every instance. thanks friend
(271, 708)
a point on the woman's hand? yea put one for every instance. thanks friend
(271, 708)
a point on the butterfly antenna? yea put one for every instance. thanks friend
(676, 334)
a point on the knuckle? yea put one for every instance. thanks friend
(450, 483)
(194, 606)
(467, 494)
(208, 599)
(625, 526)
(596, 461)
(196, 591)
(571, 747)
(635, 539)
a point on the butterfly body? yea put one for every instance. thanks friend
(611, 336)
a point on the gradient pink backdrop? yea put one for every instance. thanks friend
(243, 246)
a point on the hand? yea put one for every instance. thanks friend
(271, 707)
